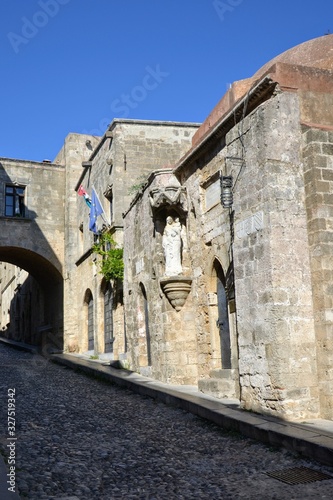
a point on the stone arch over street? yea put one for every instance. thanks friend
(37, 305)
(32, 222)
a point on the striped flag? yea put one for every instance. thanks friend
(82, 192)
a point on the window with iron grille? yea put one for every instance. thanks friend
(14, 205)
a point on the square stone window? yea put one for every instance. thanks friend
(14, 201)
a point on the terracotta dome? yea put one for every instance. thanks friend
(317, 53)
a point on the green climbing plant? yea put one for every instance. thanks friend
(139, 184)
(111, 264)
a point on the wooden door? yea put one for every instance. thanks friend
(223, 321)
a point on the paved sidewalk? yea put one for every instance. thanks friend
(311, 438)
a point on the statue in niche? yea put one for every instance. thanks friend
(172, 246)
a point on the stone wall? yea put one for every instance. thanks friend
(34, 240)
(318, 177)
(273, 363)
(76, 149)
(116, 169)
(278, 372)
(161, 341)
(209, 245)
(44, 190)
(265, 236)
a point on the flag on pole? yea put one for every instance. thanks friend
(82, 192)
(95, 210)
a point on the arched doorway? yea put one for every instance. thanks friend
(146, 322)
(223, 316)
(223, 380)
(89, 300)
(219, 318)
(108, 318)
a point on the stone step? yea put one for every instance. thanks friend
(223, 385)
(224, 373)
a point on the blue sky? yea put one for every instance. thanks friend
(74, 65)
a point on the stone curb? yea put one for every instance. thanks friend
(20, 346)
(307, 439)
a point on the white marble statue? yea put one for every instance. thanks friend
(172, 246)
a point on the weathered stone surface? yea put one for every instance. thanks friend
(275, 217)
(34, 241)
(260, 298)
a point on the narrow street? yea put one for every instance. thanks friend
(81, 438)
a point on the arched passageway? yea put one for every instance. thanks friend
(31, 299)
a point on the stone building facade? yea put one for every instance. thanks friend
(117, 164)
(257, 322)
(77, 310)
(33, 243)
(227, 231)
(161, 341)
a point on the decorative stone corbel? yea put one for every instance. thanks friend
(176, 289)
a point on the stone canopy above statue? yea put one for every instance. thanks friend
(170, 195)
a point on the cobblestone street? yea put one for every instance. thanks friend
(79, 437)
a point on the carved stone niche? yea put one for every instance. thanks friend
(169, 209)
(176, 290)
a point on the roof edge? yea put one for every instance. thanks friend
(258, 92)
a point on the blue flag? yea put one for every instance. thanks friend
(95, 210)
